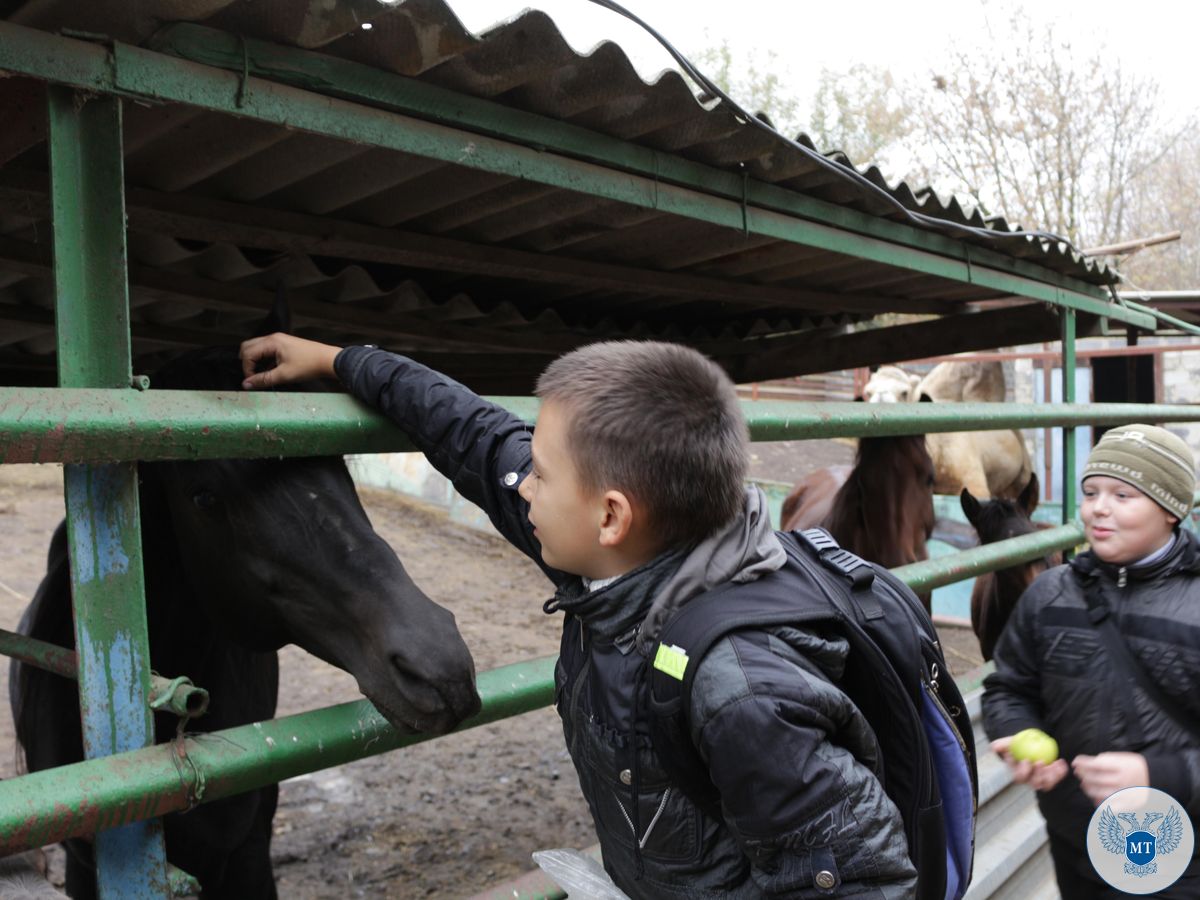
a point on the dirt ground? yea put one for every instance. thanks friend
(447, 818)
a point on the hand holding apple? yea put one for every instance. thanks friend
(1033, 745)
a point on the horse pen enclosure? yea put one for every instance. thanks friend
(477, 202)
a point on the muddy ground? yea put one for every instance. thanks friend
(444, 819)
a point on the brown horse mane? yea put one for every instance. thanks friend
(884, 511)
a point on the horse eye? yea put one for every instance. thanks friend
(204, 499)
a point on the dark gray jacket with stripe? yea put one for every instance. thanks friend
(802, 813)
(1054, 673)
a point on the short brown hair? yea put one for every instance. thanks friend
(659, 421)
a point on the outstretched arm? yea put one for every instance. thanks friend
(481, 447)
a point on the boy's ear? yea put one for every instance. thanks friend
(616, 518)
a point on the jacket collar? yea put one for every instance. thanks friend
(1184, 556)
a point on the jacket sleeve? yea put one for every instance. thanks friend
(1012, 694)
(798, 800)
(476, 444)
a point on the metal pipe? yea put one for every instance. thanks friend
(175, 695)
(1161, 296)
(87, 193)
(1068, 396)
(85, 797)
(41, 654)
(933, 573)
(178, 696)
(182, 884)
(96, 425)
(1189, 327)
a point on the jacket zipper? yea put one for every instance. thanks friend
(1121, 577)
(584, 670)
(654, 821)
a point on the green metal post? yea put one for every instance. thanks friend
(1068, 375)
(103, 525)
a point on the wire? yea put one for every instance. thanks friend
(845, 172)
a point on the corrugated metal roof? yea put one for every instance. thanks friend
(487, 319)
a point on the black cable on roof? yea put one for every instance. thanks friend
(844, 172)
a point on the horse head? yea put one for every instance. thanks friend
(999, 518)
(281, 551)
(995, 594)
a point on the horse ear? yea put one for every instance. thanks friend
(1028, 498)
(970, 506)
(280, 316)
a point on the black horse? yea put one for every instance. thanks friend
(242, 557)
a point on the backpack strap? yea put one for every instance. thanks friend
(860, 572)
(1118, 651)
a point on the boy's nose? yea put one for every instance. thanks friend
(525, 489)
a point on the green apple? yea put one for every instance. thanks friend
(1033, 745)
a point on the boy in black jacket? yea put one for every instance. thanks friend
(629, 494)
(1054, 671)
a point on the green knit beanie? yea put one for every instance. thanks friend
(1151, 459)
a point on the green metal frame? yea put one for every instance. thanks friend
(87, 187)
(624, 171)
(93, 426)
(95, 422)
(1068, 394)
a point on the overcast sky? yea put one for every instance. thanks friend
(1153, 37)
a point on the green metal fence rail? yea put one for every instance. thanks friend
(97, 426)
(138, 785)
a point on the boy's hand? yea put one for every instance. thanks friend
(1107, 773)
(1040, 776)
(296, 359)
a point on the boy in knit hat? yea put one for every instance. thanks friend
(1055, 673)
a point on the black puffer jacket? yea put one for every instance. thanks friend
(1053, 673)
(792, 756)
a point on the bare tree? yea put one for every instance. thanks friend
(864, 113)
(1166, 199)
(754, 84)
(1040, 133)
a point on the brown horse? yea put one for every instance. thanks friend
(995, 594)
(881, 510)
